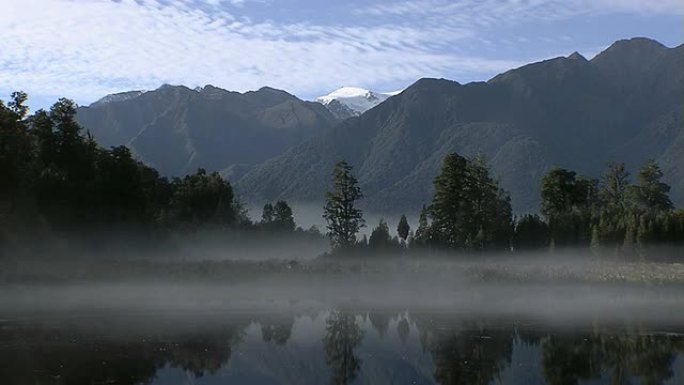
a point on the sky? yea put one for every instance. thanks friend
(85, 49)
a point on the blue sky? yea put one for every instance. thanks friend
(84, 49)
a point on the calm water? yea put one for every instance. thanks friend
(331, 346)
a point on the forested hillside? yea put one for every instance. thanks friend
(176, 130)
(625, 105)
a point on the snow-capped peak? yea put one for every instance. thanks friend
(119, 97)
(348, 92)
(357, 100)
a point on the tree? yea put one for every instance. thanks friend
(15, 145)
(531, 233)
(558, 193)
(17, 105)
(651, 194)
(567, 204)
(380, 237)
(343, 219)
(469, 210)
(423, 234)
(282, 216)
(450, 207)
(267, 214)
(16, 160)
(403, 228)
(118, 189)
(613, 187)
(202, 198)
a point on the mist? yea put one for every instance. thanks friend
(557, 289)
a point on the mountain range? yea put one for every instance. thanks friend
(624, 104)
(177, 129)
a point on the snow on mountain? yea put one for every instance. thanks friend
(117, 97)
(352, 101)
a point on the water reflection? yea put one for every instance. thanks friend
(277, 330)
(342, 336)
(617, 359)
(338, 347)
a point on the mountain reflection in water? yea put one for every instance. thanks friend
(336, 347)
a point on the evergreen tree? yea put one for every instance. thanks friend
(613, 187)
(423, 234)
(558, 193)
(203, 198)
(380, 237)
(450, 207)
(650, 194)
(267, 214)
(343, 218)
(469, 210)
(568, 203)
(403, 229)
(118, 191)
(15, 146)
(531, 233)
(282, 216)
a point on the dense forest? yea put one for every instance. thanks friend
(57, 183)
(471, 213)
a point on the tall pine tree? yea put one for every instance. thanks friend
(343, 218)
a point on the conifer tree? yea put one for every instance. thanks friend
(469, 210)
(650, 194)
(403, 229)
(267, 214)
(282, 216)
(423, 234)
(380, 237)
(613, 187)
(343, 218)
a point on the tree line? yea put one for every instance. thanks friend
(470, 212)
(56, 182)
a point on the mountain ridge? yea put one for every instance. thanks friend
(564, 111)
(623, 104)
(177, 130)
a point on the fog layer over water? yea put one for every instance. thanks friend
(478, 319)
(557, 288)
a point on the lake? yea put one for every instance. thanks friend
(377, 324)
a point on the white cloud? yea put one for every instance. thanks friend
(510, 11)
(86, 48)
(668, 7)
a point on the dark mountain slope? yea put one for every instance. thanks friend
(566, 112)
(176, 129)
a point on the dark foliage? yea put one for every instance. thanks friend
(58, 183)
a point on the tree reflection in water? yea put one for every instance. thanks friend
(342, 335)
(63, 355)
(277, 330)
(403, 330)
(470, 356)
(616, 358)
(462, 352)
(380, 322)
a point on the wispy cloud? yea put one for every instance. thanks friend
(87, 48)
(476, 11)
